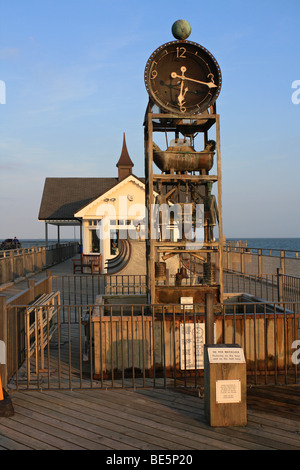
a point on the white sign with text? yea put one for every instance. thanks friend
(228, 391)
(226, 355)
(192, 345)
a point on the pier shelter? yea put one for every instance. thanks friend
(109, 211)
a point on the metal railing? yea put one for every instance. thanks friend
(105, 339)
(82, 289)
(259, 261)
(268, 287)
(104, 346)
(290, 288)
(263, 286)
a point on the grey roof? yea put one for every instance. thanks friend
(63, 197)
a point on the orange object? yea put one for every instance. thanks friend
(1, 390)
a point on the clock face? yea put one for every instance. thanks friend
(183, 77)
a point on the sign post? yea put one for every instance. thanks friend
(225, 385)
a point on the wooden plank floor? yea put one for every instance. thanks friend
(143, 419)
(147, 419)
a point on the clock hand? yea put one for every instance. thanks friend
(183, 77)
(182, 95)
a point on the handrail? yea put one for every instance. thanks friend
(258, 251)
(17, 264)
(34, 249)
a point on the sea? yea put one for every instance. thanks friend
(290, 245)
(28, 243)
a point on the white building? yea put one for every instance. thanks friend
(109, 211)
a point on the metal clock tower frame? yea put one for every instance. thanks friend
(211, 251)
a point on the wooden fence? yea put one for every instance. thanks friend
(15, 264)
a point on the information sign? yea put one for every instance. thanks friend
(226, 355)
(228, 391)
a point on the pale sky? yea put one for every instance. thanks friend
(74, 77)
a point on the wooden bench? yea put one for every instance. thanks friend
(92, 262)
(40, 326)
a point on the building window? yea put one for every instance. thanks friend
(114, 242)
(94, 242)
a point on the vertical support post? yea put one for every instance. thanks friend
(219, 174)
(3, 337)
(242, 260)
(46, 234)
(209, 318)
(146, 138)
(149, 207)
(151, 202)
(280, 284)
(12, 263)
(24, 263)
(282, 261)
(81, 236)
(260, 262)
(229, 259)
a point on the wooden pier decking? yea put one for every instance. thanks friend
(143, 419)
(147, 419)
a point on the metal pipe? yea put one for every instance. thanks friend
(209, 318)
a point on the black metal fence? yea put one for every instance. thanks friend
(290, 288)
(139, 345)
(100, 332)
(78, 290)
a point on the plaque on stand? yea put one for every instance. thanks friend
(225, 385)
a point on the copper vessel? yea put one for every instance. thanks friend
(184, 158)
